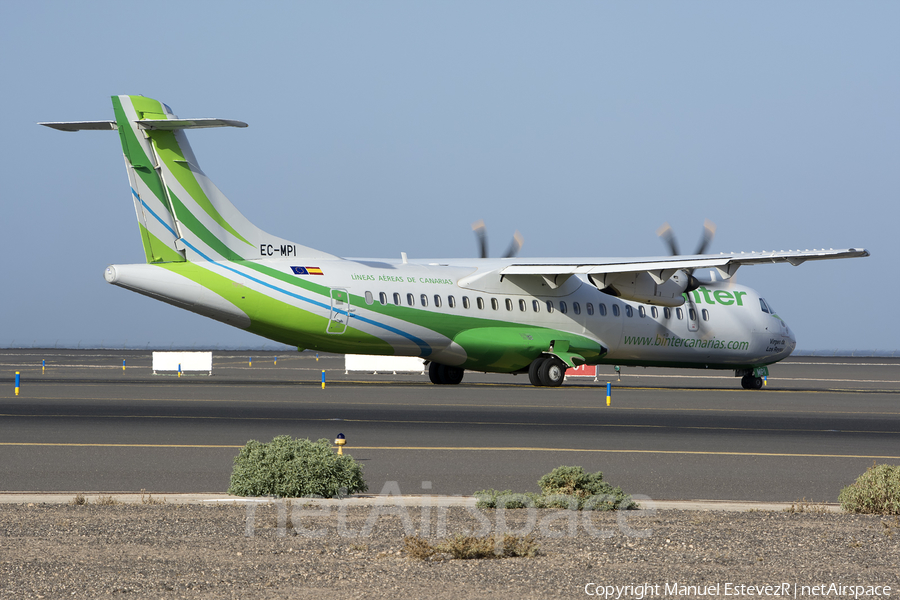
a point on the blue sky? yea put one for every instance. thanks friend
(381, 127)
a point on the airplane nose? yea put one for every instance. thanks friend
(792, 341)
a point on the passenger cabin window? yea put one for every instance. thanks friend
(410, 300)
(629, 312)
(536, 306)
(523, 306)
(615, 310)
(692, 314)
(762, 305)
(465, 302)
(424, 299)
(397, 298)
(642, 312)
(382, 297)
(494, 304)
(451, 301)
(705, 314)
(549, 306)
(602, 308)
(437, 301)
(508, 304)
(576, 308)
(480, 303)
(563, 308)
(590, 308)
(653, 312)
(679, 313)
(667, 313)
(369, 298)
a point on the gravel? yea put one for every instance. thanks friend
(239, 551)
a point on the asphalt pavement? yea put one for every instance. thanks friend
(83, 424)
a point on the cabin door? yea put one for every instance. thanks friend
(340, 311)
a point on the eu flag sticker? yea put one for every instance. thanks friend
(307, 271)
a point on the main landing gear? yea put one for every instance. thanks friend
(547, 371)
(444, 374)
(749, 382)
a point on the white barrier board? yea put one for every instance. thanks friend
(189, 361)
(383, 364)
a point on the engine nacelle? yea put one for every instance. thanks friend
(645, 287)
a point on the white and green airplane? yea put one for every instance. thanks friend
(510, 315)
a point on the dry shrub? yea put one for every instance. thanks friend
(468, 547)
(875, 492)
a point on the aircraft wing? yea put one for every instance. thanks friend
(726, 264)
(656, 280)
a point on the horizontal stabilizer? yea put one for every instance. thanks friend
(173, 124)
(152, 124)
(79, 125)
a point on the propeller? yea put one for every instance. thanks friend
(481, 234)
(668, 237)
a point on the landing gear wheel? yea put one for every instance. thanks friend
(444, 375)
(534, 370)
(749, 382)
(451, 375)
(552, 372)
(434, 373)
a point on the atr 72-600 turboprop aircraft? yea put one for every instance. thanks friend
(510, 315)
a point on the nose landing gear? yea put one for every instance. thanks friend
(749, 382)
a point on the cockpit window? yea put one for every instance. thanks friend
(762, 305)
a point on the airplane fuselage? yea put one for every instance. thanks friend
(446, 312)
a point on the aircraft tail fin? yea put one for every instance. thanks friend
(182, 215)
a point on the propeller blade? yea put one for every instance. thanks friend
(668, 237)
(480, 233)
(515, 245)
(709, 232)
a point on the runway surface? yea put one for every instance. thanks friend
(86, 425)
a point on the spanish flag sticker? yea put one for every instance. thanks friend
(307, 271)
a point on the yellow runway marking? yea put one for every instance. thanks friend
(98, 445)
(601, 450)
(483, 449)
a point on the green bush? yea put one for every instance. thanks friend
(574, 481)
(564, 487)
(290, 468)
(875, 492)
